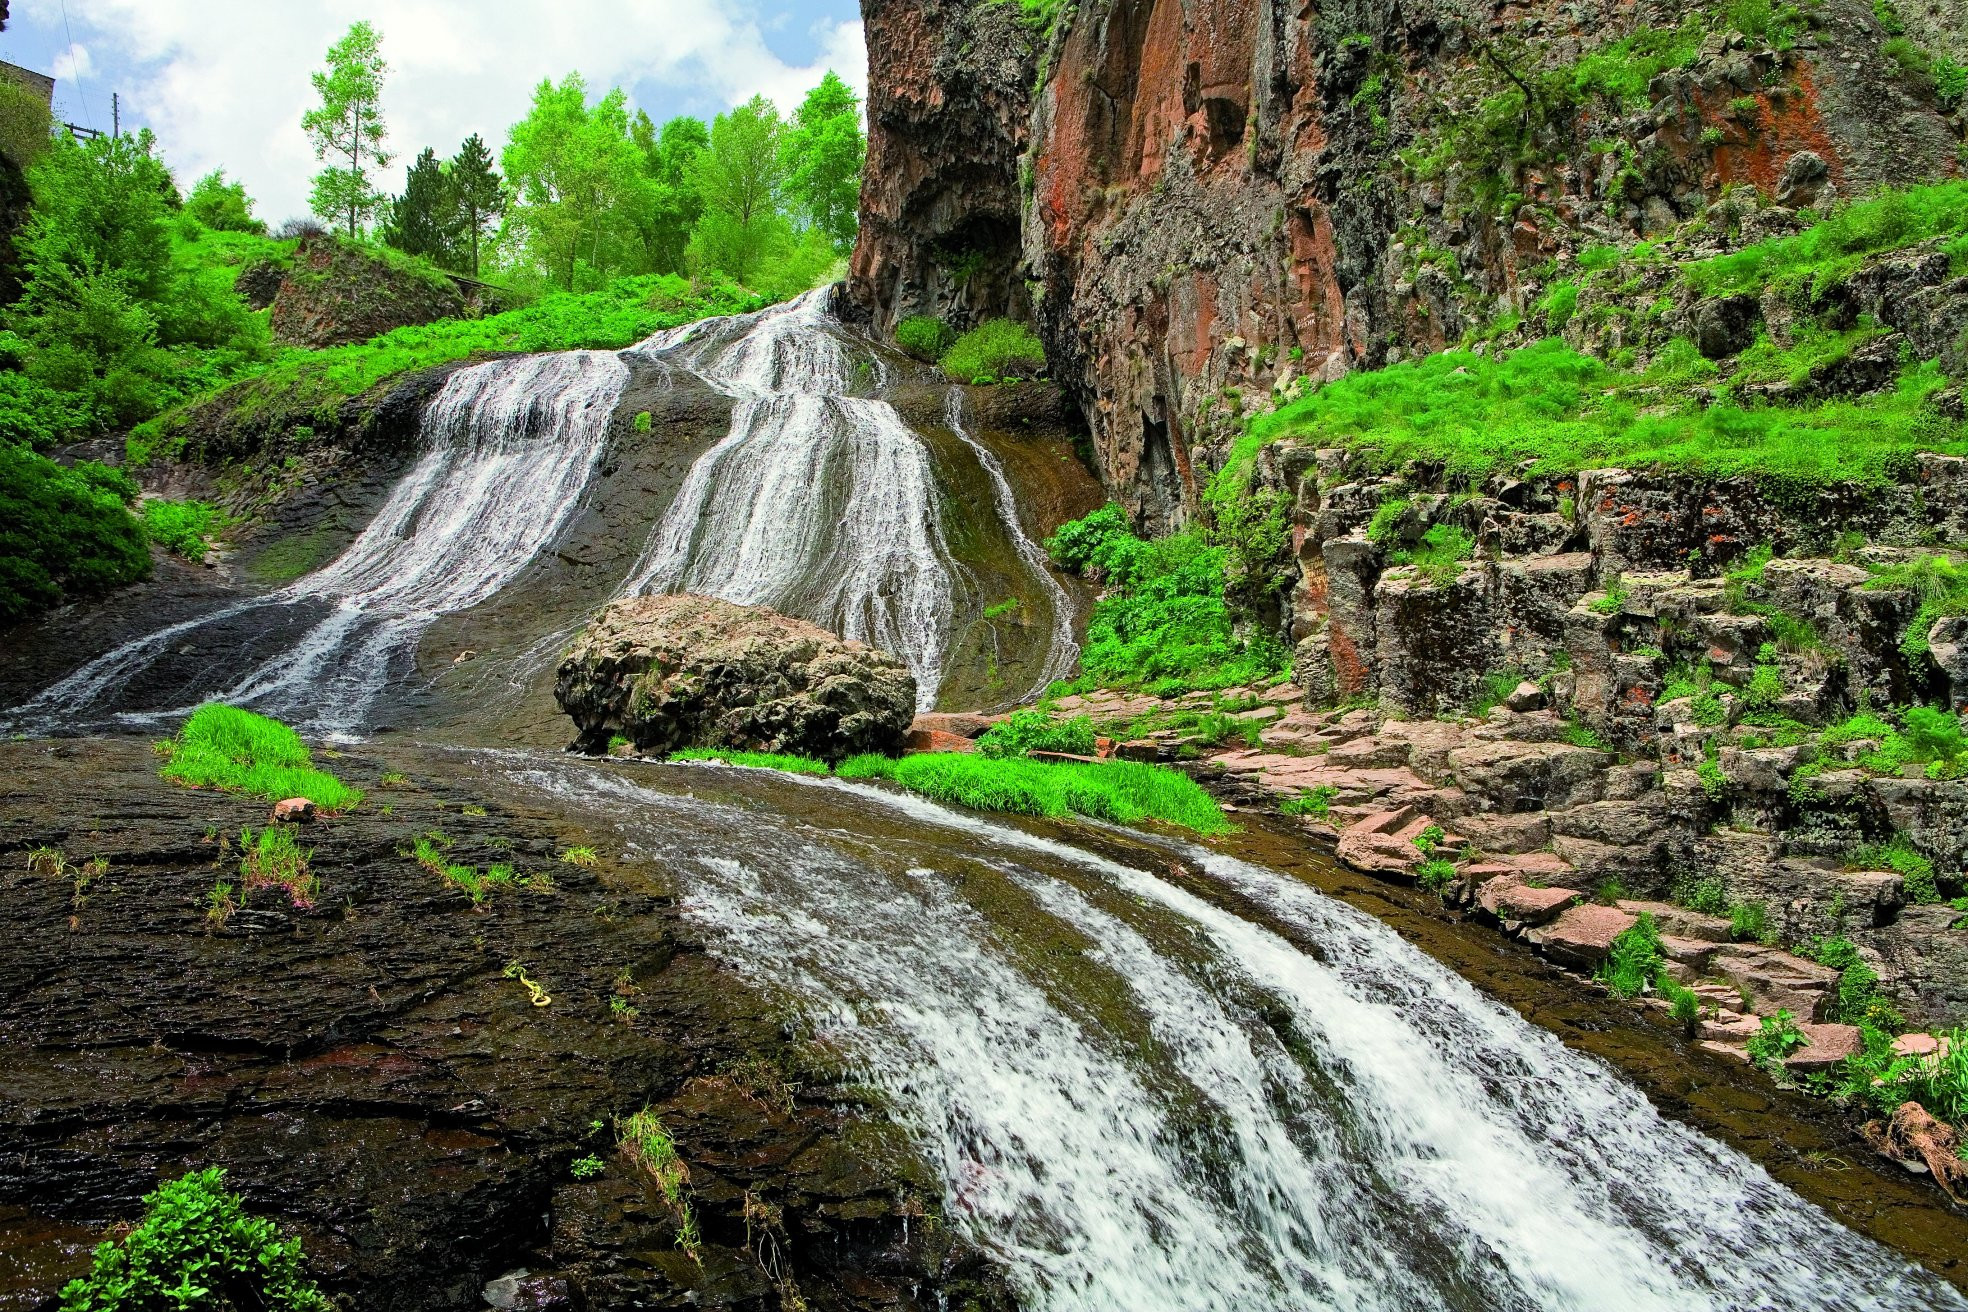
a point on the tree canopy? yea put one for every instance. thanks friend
(347, 123)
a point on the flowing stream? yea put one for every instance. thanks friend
(1137, 1099)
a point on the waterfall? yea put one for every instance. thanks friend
(816, 502)
(509, 448)
(1136, 1099)
(1062, 649)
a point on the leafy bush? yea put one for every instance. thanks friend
(1036, 731)
(1899, 855)
(1859, 1001)
(1634, 959)
(186, 527)
(996, 348)
(238, 751)
(1119, 791)
(1314, 802)
(1435, 874)
(1751, 921)
(64, 532)
(196, 1248)
(1777, 1039)
(924, 336)
(1706, 896)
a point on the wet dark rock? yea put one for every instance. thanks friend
(688, 671)
(1724, 325)
(374, 1080)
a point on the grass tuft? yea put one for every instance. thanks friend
(1120, 791)
(237, 751)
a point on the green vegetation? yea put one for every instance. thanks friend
(1440, 555)
(186, 527)
(1897, 854)
(585, 1168)
(1938, 579)
(1316, 802)
(1859, 1001)
(275, 860)
(1776, 1040)
(196, 1248)
(645, 1141)
(1554, 410)
(1926, 738)
(1635, 960)
(1163, 622)
(1120, 791)
(432, 852)
(997, 349)
(757, 760)
(1833, 248)
(580, 856)
(64, 532)
(238, 751)
(1036, 731)
(924, 336)
(1882, 1080)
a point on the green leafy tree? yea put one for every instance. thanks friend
(571, 165)
(666, 206)
(426, 219)
(824, 151)
(221, 205)
(196, 1248)
(740, 175)
(477, 191)
(348, 125)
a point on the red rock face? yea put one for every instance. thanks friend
(1215, 204)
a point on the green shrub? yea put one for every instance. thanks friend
(782, 761)
(1118, 791)
(64, 532)
(235, 750)
(1315, 802)
(1899, 855)
(1776, 1040)
(1751, 921)
(1441, 553)
(196, 1248)
(1705, 896)
(1435, 874)
(1036, 731)
(1683, 1006)
(1634, 959)
(996, 348)
(185, 527)
(1859, 1001)
(924, 336)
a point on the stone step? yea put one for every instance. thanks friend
(1681, 922)
(1828, 1048)
(1511, 900)
(1582, 935)
(1776, 980)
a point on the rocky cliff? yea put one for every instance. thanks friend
(1220, 201)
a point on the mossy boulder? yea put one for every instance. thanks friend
(687, 671)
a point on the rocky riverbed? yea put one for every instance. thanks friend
(405, 1079)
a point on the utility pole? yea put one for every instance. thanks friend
(115, 115)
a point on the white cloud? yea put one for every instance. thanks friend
(225, 82)
(73, 64)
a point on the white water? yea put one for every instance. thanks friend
(1264, 1128)
(1062, 649)
(509, 448)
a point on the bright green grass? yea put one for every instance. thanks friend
(1562, 411)
(1120, 791)
(237, 751)
(618, 315)
(757, 760)
(1832, 249)
(185, 527)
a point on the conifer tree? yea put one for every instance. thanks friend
(477, 192)
(426, 219)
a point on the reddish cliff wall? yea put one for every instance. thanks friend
(1226, 197)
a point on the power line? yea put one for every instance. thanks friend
(75, 69)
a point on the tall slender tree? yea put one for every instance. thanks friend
(740, 176)
(477, 191)
(348, 125)
(570, 165)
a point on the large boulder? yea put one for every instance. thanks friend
(687, 671)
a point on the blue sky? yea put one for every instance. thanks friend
(224, 82)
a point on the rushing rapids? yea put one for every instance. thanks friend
(1138, 1099)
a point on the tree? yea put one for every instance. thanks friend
(667, 205)
(222, 206)
(349, 121)
(570, 166)
(477, 191)
(740, 175)
(426, 220)
(824, 151)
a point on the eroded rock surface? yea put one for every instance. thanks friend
(687, 671)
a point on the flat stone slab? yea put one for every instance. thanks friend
(1582, 936)
(1511, 899)
(1776, 980)
(1829, 1046)
(1683, 923)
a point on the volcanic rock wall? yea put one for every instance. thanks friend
(1220, 200)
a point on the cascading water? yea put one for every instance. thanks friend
(818, 502)
(1139, 1100)
(509, 448)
